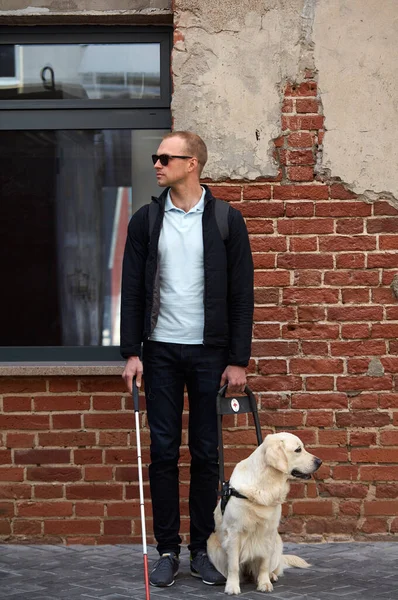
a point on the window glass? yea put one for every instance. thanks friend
(66, 197)
(80, 71)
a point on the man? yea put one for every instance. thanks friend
(187, 295)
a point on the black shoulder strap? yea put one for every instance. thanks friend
(152, 214)
(221, 211)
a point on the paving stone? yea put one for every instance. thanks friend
(350, 571)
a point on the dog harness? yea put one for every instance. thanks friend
(226, 492)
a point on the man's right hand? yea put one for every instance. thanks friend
(132, 369)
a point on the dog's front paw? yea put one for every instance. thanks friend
(265, 586)
(232, 588)
(274, 577)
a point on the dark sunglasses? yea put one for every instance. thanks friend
(164, 158)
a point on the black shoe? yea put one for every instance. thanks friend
(164, 570)
(203, 568)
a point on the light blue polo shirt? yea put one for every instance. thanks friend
(180, 258)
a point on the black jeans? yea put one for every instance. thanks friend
(167, 369)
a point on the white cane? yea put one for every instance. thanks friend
(136, 401)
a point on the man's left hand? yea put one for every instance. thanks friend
(236, 378)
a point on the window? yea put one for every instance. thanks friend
(76, 136)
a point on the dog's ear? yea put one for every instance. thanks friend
(275, 456)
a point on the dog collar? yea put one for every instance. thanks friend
(226, 492)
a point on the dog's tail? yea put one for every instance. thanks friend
(290, 560)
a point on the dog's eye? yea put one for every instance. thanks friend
(298, 450)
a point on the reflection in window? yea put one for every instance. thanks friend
(91, 71)
(66, 199)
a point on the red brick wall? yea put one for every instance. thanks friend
(324, 309)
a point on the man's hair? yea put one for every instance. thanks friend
(194, 144)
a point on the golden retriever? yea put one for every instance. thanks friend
(246, 539)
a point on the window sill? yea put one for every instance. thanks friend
(20, 369)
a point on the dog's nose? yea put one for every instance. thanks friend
(318, 462)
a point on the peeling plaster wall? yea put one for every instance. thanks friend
(230, 62)
(356, 49)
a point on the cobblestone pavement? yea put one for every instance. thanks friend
(346, 571)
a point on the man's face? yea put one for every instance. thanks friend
(177, 169)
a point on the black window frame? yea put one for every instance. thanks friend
(152, 113)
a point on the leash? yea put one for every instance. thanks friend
(231, 406)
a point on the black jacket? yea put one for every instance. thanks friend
(228, 282)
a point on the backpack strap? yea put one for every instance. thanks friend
(221, 212)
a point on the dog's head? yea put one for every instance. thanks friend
(285, 452)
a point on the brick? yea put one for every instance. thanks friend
(45, 509)
(307, 244)
(382, 207)
(392, 313)
(332, 454)
(350, 226)
(343, 209)
(320, 384)
(358, 348)
(257, 192)
(357, 330)
(301, 192)
(332, 437)
(268, 244)
(389, 490)
(343, 490)
(118, 527)
(306, 106)
(94, 491)
(89, 509)
(27, 527)
(350, 508)
(107, 403)
(319, 401)
(300, 173)
(373, 455)
(364, 400)
(282, 419)
(381, 507)
(224, 192)
(266, 331)
(11, 474)
(62, 384)
(319, 418)
(384, 260)
(275, 383)
(310, 296)
(352, 279)
(49, 491)
(339, 192)
(24, 422)
(266, 296)
(384, 330)
(370, 526)
(362, 438)
(355, 296)
(350, 261)
(311, 313)
(35, 456)
(309, 331)
(102, 384)
(298, 122)
(274, 349)
(272, 367)
(67, 439)
(388, 242)
(15, 491)
(17, 404)
(341, 243)
(51, 474)
(278, 313)
(22, 385)
(98, 473)
(362, 419)
(306, 88)
(20, 440)
(107, 421)
(307, 277)
(363, 383)
(309, 507)
(273, 278)
(382, 225)
(118, 456)
(7, 510)
(302, 261)
(264, 261)
(58, 403)
(314, 348)
(389, 438)
(345, 472)
(300, 209)
(68, 526)
(5, 457)
(113, 438)
(300, 157)
(68, 421)
(300, 140)
(379, 473)
(268, 209)
(305, 226)
(355, 313)
(287, 106)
